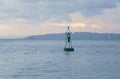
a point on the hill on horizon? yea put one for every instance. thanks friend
(78, 36)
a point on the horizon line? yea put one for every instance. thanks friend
(22, 36)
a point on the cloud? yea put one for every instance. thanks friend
(107, 22)
(43, 10)
(95, 7)
(39, 15)
(29, 1)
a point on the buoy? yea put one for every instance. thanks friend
(68, 43)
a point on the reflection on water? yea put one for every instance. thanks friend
(35, 59)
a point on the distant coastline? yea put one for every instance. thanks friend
(77, 36)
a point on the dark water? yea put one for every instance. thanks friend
(43, 59)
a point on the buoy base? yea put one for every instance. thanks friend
(68, 49)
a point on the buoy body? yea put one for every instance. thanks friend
(68, 49)
(68, 44)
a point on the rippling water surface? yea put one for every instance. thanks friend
(43, 59)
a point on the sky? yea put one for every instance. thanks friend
(36, 17)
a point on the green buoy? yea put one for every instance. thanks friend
(68, 44)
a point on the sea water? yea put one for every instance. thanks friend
(45, 59)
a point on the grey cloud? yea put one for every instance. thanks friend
(94, 7)
(44, 10)
(1, 3)
(29, 1)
